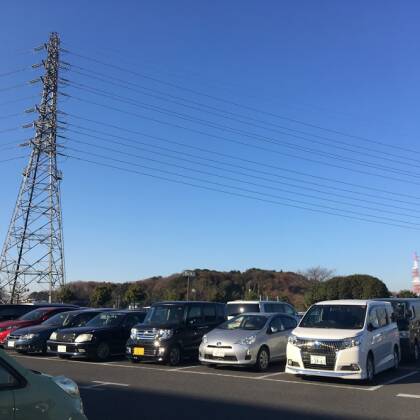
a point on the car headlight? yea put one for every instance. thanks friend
(67, 385)
(83, 337)
(164, 334)
(351, 342)
(133, 333)
(10, 327)
(292, 339)
(28, 336)
(247, 340)
(205, 340)
(53, 336)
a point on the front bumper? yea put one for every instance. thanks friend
(146, 350)
(348, 364)
(86, 349)
(236, 354)
(25, 346)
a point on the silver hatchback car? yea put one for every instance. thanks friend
(252, 339)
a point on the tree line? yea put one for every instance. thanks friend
(300, 289)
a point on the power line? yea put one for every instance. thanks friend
(17, 100)
(232, 165)
(300, 173)
(236, 104)
(13, 158)
(11, 72)
(237, 194)
(258, 137)
(220, 112)
(359, 205)
(382, 176)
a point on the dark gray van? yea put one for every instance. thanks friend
(172, 331)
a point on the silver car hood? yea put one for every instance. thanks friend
(228, 337)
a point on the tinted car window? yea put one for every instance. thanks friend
(209, 313)
(289, 323)
(83, 318)
(276, 325)
(382, 317)
(241, 308)
(6, 378)
(194, 315)
(61, 319)
(220, 311)
(133, 319)
(34, 315)
(162, 314)
(373, 318)
(289, 310)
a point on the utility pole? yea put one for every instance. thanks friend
(188, 274)
(33, 251)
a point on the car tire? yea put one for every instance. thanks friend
(174, 356)
(396, 356)
(134, 360)
(370, 369)
(63, 356)
(103, 352)
(263, 360)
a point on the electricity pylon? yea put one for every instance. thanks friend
(33, 251)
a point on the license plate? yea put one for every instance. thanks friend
(218, 353)
(138, 351)
(10, 344)
(61, 349)
(318, 360)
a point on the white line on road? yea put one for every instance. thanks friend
(187, 367)
(270, 375)
(110, 383)
(408, 396)
(392, 381)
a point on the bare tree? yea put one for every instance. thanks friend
(317, 273)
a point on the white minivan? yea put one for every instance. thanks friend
(239, 307)
(351, 339)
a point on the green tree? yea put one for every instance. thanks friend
(65, 295)
(136, 293)
(406, 294)
(102, 295)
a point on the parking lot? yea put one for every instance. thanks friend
(120, 389)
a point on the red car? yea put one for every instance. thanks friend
(35, 317)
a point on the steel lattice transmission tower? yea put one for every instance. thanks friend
(33, 251)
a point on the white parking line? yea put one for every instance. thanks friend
(110, 383)
(408, 396)
(392, 381)
(270, 375)
(188, 367)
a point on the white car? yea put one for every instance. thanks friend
(351, 339)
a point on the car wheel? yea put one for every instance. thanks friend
(370, 369)
(396, 359)
(134, 360)
(63, 356)
(416, 352)
(103, 352)
(263, 360)
(174, 356)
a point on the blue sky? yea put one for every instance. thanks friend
(352, 67)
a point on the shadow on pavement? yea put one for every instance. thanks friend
(128, 404)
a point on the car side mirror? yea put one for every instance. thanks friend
(272, 330)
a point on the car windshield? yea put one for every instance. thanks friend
(108, 319)
(165, 314)
(342, 317)
(234, 309)
(34, 315)
(245, 322)
(61, 320)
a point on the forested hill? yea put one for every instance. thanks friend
(206, 285)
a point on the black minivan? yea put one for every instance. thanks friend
(407, 317)
(172, 331)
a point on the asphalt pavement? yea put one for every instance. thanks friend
(122, 390)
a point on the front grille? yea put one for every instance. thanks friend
(65, 337)
(210, 346)
(326, 345)
(327, 348)
(147, 335)
(225, 358)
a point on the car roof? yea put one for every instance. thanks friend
(126, 311)
(355, 302)
(254, 301)
(183, 302)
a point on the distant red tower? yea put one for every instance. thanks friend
(415, 275)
